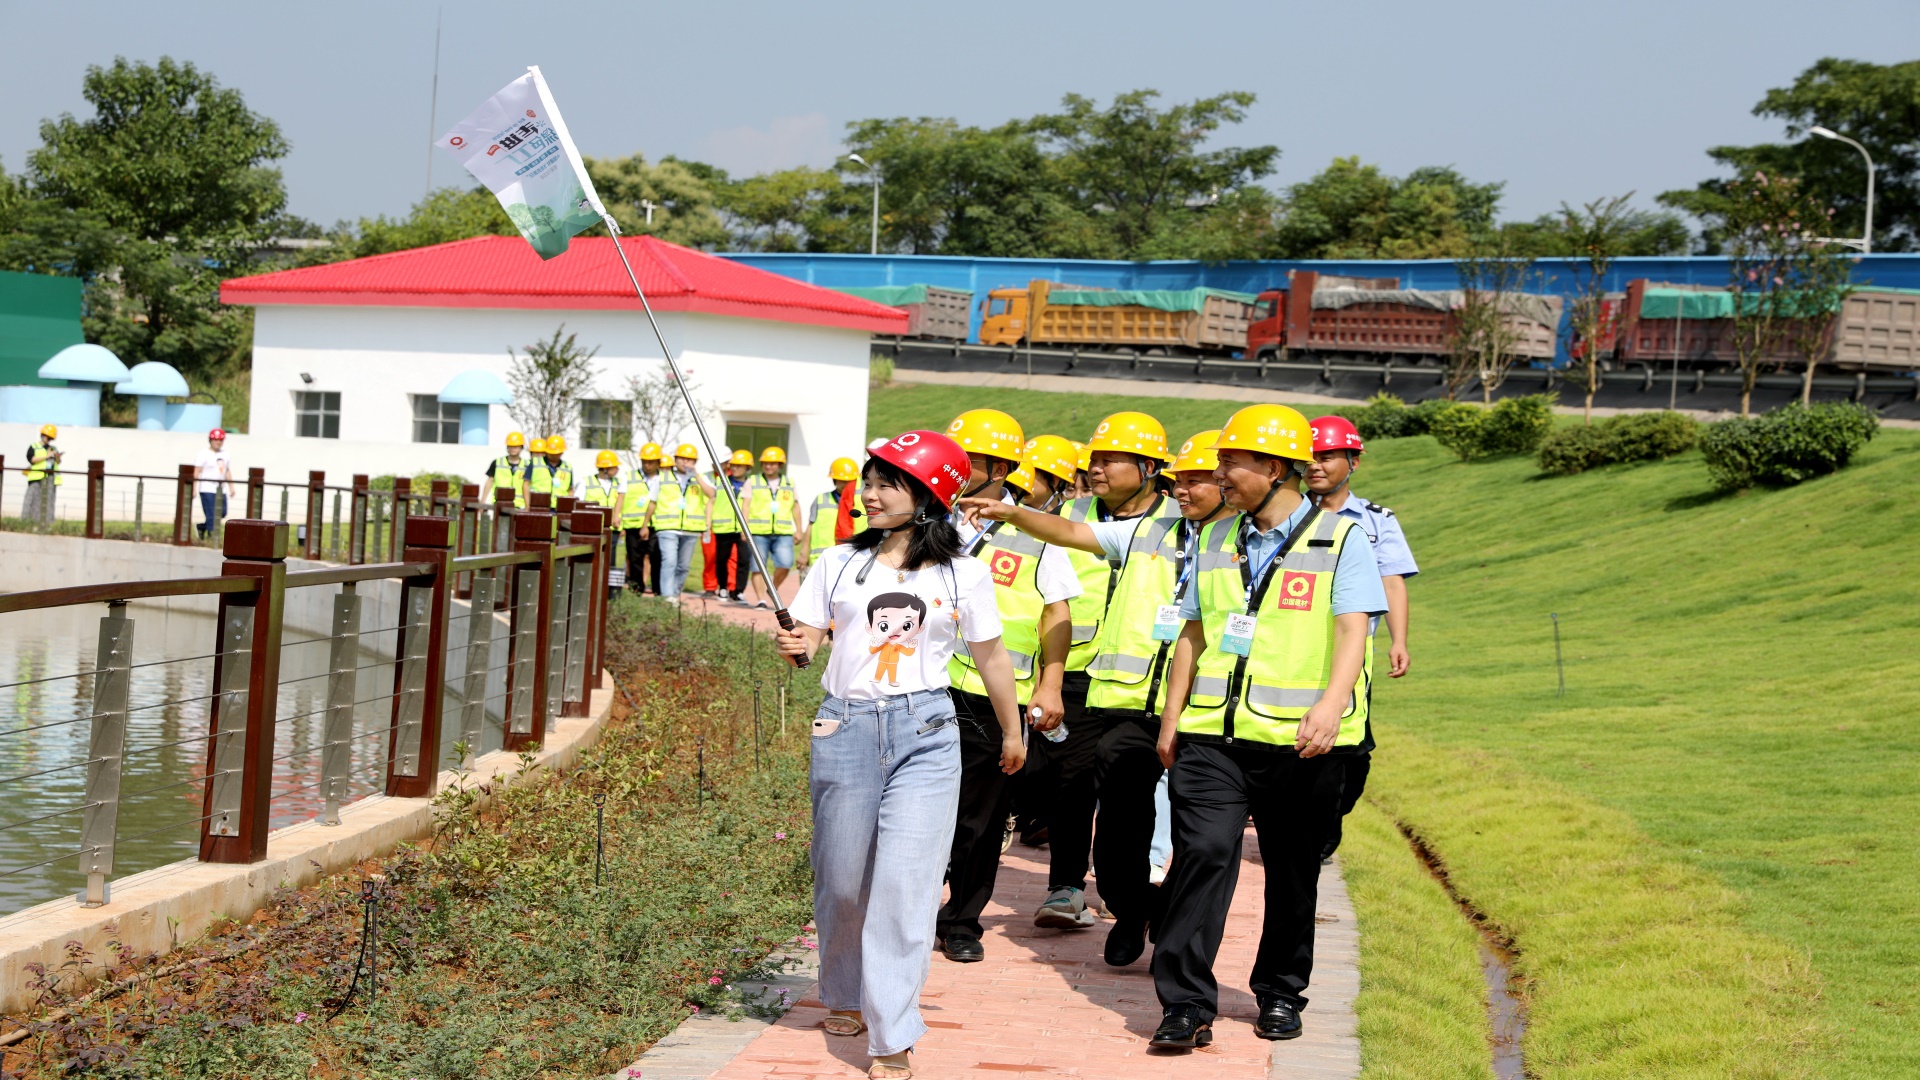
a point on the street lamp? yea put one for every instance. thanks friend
(875, 173)
(1865, 243)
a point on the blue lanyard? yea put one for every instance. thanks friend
(1260, 573)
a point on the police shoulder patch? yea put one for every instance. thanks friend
(1378, 509)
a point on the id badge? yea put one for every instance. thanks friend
(1166, 622)
(1238, 636)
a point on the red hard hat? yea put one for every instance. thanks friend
(1336, 433)
(931, 458)
(217, 433)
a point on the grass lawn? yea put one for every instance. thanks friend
(1706, 852)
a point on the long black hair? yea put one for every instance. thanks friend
(934, 540)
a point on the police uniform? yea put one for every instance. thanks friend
(1236, 754)
(1393, 556)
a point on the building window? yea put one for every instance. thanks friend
(606, 425)
(754, 438)
(316, 414)
(435, 421)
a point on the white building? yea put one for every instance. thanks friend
(360, 351)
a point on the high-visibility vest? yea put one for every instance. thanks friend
(1127, 665)
(551, 480)
(770, 506)
(508, 476)
(721, 519)
(633, 512)
(826, 508)
(680, 504)
(1013, 560)
(600, 491)
(40, 464)
(1096, 576)
(1259, 699)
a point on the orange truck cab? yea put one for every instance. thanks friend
(1004, 316)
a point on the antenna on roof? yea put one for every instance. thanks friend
(433, 107)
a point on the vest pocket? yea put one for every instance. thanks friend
(1280, 702)
(1208, 692)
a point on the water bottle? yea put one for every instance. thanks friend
(1059, 732)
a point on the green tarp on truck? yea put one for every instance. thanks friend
(1194, 300)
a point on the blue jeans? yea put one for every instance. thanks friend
(886, 789)
(676, 555)
(214, 505)
(777, 550)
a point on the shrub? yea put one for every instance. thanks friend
(1458, 428)
(1516, 425)
(1633, 437)
(1788, 445)
(1572, 450)
(1419, 418)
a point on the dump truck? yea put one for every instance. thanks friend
(932, 312)
(1326, 314)
(1878, 330)
(1197, 320)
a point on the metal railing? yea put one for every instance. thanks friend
(286, 729)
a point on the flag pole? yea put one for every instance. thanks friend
(700, 426)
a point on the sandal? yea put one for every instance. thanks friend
(846, 1024)
(882, 1069)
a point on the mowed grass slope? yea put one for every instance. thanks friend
(1707, 851)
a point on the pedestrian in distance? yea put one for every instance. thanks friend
(604, 488)
(678, 517)
(1337, 447)
(43, 475)
(643, 548)
(550, 475)
(773, 521)
(822, 525)
(885, 763)
(213, 481)
(1032, 585)
(508, 472)
(1264, 697)
(729, 567)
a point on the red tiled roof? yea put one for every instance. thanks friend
(504, 272)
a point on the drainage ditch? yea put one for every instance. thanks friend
(1506, 1005)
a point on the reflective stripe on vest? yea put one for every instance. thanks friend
(682, 505)
(633, 512)
(720, 511)
(516, 479)
(1013, 561)
(769, 506)
(1126, 652)
(1096, 578)
(599, 491)
(826, 511)
(40, 464)
(1292, 645)
(553, 480)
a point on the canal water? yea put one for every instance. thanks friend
(46, 701)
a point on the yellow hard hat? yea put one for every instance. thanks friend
(1275, 430)
(773, 453)
(1082, 457)
(1130, 433)
(741, 457)
(514, 439)
(1197, 454)
(988, 431)
(539, 446)
(843, 468)
(556, 444)
(50, 431)
(1052, 454)
(606, 459)
(652, 452)
(687, 450)
(1021, 478)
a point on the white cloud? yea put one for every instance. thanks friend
(782, 144)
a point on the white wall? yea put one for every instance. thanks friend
(812, 378)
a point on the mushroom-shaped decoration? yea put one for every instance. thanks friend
(474, 391)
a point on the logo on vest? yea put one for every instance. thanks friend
(1296, 590)
(1004, 566)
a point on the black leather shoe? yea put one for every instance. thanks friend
(1278, 1020)
(1183, 1029)
(1125, 942)
(964, 950)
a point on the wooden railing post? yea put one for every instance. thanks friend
(539, 500)
(582, 676)
(468, 508)
(316, 510)
(503, 511)
(357, 522)
(420, 667)
(246, 679)
(183, 508)
(96, 500)
(402, 507)
(256, 493)
(599, 653)
(532, 607)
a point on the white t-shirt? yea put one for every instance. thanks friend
(894, 633)
(212, 469)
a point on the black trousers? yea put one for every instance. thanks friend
(1293, 801)
(1353, 784)
(1126, 771)
(986, 794)
(1033, 788)
(1076, 765)
(643, 562)
(731, 578)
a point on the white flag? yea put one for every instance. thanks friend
(517, 145)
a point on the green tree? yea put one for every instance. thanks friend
(1352, 210)
(445, 215)
(1633, 232)
(947, 189)
(548, 382)
(1769, 227)
(683, 200)
(1488, 322)
(802, 209)
(1875, 104)
(1596, 233)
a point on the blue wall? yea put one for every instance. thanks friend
(980, 275)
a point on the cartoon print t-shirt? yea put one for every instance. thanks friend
(894, 633)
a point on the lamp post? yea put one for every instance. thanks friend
(1865, 243)
(875, 173)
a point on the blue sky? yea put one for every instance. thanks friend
(1560, 100)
